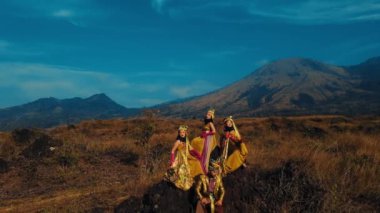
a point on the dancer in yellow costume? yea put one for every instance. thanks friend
(182, 163)
(234, 151)
(206, 142)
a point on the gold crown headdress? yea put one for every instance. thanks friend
(229, 118)
(212, 112)
(183, 127)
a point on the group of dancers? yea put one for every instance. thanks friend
(206, 160)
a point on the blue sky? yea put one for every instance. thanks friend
(145, 52)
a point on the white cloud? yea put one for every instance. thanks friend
(39, 80)
(367, 17)
(161, 74)
(322, 11)
(261, 62)
(4, 45)
(225, 53)
(63, 13)
(35, 89)
(30, 81)
(10, 49)
(149, 101)
(181, 91)
(43, 70)
(6, 48)
(296, 11)
(158, 5)
(148, 87)
(123, 85)
(196, 88)
(77, 12)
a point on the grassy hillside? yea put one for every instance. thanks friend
(98, 165)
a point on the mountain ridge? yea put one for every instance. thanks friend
(293, 86)
(48, 112)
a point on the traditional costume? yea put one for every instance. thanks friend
(210, 192)
(234, 151)
(206, 142)
(182, 163)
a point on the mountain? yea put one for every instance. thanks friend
(48, 112)
(368, 73)
(292, 86)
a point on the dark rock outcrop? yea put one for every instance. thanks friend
(162, 197)
(247, 190)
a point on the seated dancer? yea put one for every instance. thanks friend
(182, 162)
(210, 191)
(234, 151)
(207, 141)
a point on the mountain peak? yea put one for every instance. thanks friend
(99, 97)
(369, 70)
(48, 112)
(302, 62)
(291, 86)
(295, 60)
(46, 99)
(374, 59)
(42, 102)
(294, 67)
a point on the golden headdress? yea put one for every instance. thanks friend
(212, 112)
(229, 118)
(183, 127)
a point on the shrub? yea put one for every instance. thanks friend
(23, 136)
(41, 147)
(67, 160)
(4, 166)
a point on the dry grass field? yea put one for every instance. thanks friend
(96, 165)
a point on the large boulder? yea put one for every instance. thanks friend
(161, 197)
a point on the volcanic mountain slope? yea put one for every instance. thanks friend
(291, 87)
(48, 112)
(369, 74)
